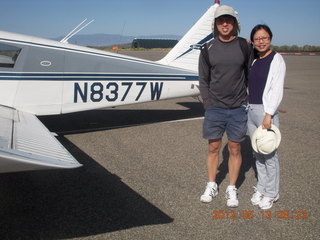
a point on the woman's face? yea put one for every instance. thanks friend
(262, 41)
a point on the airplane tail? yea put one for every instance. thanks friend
(185, 53)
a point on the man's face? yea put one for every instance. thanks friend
(225, 25)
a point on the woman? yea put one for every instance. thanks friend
(266, 79)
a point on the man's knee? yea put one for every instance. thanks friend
(214, 146)
(234, 148)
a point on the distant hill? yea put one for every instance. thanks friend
(100, 40)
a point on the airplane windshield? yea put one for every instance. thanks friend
(8, 55)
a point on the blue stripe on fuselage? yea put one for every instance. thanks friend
(93, 77)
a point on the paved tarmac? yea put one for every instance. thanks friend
(144, 171)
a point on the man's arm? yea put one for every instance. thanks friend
(204, 76)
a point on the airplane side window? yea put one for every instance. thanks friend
(8, 55)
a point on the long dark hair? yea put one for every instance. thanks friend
(259, 27)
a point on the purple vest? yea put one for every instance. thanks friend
(258, 77)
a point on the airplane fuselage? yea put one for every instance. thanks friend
(47, 77)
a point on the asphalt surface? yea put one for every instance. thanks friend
(144, 171)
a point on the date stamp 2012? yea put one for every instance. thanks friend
(264, 214)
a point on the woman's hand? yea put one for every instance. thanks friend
(266, 123)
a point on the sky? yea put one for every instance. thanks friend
(293, 22)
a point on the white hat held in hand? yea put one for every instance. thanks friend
(265, 141)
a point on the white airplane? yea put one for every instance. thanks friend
(44, 77)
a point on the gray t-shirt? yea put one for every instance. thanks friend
(222, 82)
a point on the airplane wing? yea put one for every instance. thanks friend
(26, 144)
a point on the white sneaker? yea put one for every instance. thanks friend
(231, 196)
(210, 192)
(267, 202)
(256, 197)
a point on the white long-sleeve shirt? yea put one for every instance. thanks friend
(273, 91)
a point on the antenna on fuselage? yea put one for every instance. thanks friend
(75, 30)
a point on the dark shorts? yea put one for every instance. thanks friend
(232, 121)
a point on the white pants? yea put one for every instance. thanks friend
(267, 165)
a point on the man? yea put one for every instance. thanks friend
(223, 66)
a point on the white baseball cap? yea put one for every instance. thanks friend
(265, 141)
(225, 10)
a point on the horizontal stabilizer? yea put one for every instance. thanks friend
(26, 144)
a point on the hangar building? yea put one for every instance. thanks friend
(153, 43)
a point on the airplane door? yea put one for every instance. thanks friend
(40, 88)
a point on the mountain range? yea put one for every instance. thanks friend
(99, 40)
